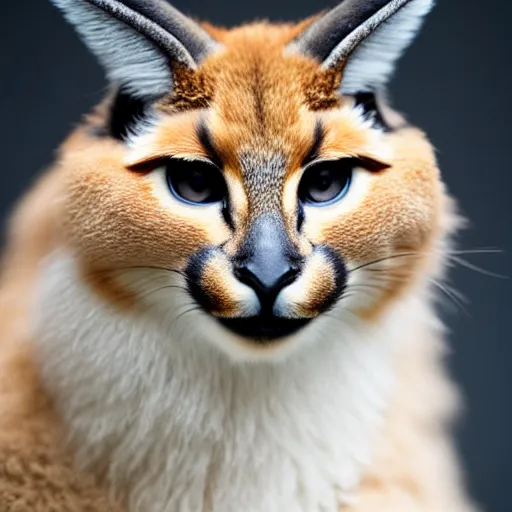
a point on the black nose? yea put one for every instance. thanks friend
(268, 261)
(267, 283)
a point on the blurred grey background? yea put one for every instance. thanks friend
(453, 82)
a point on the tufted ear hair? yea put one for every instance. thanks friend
(137, 42)
(363, 38)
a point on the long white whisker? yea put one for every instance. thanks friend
(476, 268)
(454, 295)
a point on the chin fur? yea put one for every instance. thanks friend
(143, 392)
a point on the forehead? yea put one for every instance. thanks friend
(258, 95)
(259, 89)
(258, 110)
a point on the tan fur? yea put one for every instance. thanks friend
(36, 475)
(99, 201)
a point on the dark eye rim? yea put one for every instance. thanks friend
(348, 163)
(180, 165)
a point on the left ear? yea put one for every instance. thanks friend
(141, 44)
(363, 38)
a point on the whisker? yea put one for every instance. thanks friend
(452, 294)
(385, 277)
(151, 292)
(464, 263)
(340, 320)
(144, 281)
(386, 258)
(452, 256)
(363, 288)
(190, 310)
(483, 250)
(138, 267)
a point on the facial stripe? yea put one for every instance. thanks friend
(205, 138)
(318, 138)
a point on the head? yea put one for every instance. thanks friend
(250, 184)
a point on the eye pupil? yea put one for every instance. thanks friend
(323, 181)
(195, 182)
(326, 182)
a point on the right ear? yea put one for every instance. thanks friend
(137, 42)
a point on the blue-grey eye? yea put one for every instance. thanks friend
(326, 182)
(195, 182)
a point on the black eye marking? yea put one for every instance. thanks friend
(226, 213)
(195, 182)
(205, 138)
(318, 138)
(326, 182)
(300, 215)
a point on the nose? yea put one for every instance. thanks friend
(267, 261)
(267, 284)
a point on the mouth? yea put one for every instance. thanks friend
(264, 328)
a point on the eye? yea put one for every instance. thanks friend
(195, 182)
(326, 182)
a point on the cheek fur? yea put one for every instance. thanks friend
(393, 212)
(213, 285)
(383, 213)
(320, 285)
(116, 217)
(108, 287)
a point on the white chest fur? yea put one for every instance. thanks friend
(185, 429)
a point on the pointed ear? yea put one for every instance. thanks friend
(137, 41)
(363, 38)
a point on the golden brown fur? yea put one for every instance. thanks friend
(36, 474)
(254, 98)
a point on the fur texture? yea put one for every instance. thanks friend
(134, 48)
(121, 388)
(365, 38)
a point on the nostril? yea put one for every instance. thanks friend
(265, 282)
(267, 261)
(245, 276)
(288, 277)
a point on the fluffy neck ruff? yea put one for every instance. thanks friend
(171, 424)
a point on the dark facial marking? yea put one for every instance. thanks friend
(369, 164)
(340, 276)
(194, 273)
(226, 214)
(206, 140)
(264, 331)
(300, 215)
(318, 138)
(371, 111)
(125, 112)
